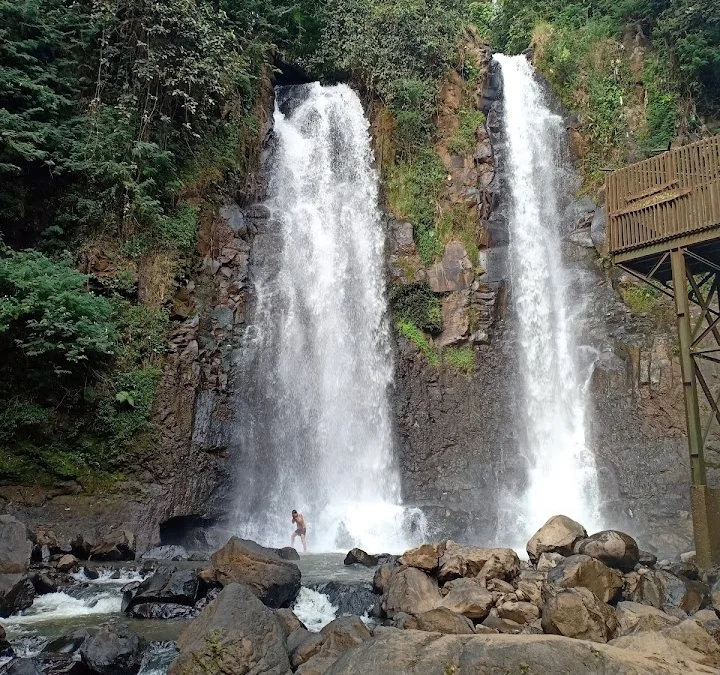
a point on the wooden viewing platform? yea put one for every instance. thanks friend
(663, 226)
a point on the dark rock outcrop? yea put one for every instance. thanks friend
(113, 650)
(615, 549)
(357, 556)
(577, 613)
(584, 571)
(349, 598)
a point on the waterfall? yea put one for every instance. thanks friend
(316, 432)
(562, 477)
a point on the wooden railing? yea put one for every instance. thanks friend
(664, 198)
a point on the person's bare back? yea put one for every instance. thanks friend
(299, 521)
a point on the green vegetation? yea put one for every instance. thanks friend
(416, 304)
(462, 359)
(464, 140)
(460, 222)
(641, 299)
(416, 336)
(590, 55)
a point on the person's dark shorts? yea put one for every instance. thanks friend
(300, 531)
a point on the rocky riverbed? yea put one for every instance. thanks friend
(577, 604)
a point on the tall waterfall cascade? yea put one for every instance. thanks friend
(317, 434)
(562, 477)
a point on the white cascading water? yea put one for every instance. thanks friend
(562, 477)
(321, 330)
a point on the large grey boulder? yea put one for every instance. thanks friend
(584, 571)
(113, 650)
(234, 635)
(558, 535)
(118, 545)
(411, 591)
(519, 612)
(274, 580)
(669, 592)
(165, 586)
(694, 636)
(577, 613)
(662, 648)
(614, 548)
(409, 652)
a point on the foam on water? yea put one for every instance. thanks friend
(55, 606)
(314, 609)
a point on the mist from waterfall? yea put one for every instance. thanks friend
(316, 431)
(561, 471)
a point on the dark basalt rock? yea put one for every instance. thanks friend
(615, 549)
(350, 599)
(113, 650)
(163, 610)
(67, 644)
(165, 586)
(22, 667)
(166, 553)
(357, 556)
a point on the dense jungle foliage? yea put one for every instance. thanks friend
(119, 117)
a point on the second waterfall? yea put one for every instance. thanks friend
(316, 430)
(562, 477)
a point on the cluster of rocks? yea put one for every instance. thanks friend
(35, 563)
(172, 592)
(461, 609)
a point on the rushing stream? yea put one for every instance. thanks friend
(562, 475)
(316, 434)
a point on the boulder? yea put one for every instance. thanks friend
(470, 561)
(113, 650)
(288, 621)
(165, 586)
(694, 636)
(530, 591)
(235, 635)
(68, 563)
(322, 649)
(647, 559)
(558, 535)
(582, 570)
(410, 652)
(302, 646)
(468, 598)
(275, 581)
(81, 547)
(440, 620)
(382, 576)
(497, 625)
(16, 593)
(357, 556)
(633, 617)
(410, 590)
(664, 590)
(67, 644)
(577, 613)
(5, 646)
(425, 557)
(519, 612)
(287, 553)
(660, 647)
(119, 545)
(615, 549)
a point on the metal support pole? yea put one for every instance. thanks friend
(687, 365)
(699, 496)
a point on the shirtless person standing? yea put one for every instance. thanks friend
(299, 520)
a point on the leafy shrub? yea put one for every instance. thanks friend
(49, 320)
(418, 305)
(641, 299)
(416, 336)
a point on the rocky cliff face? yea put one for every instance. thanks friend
(457, 434)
